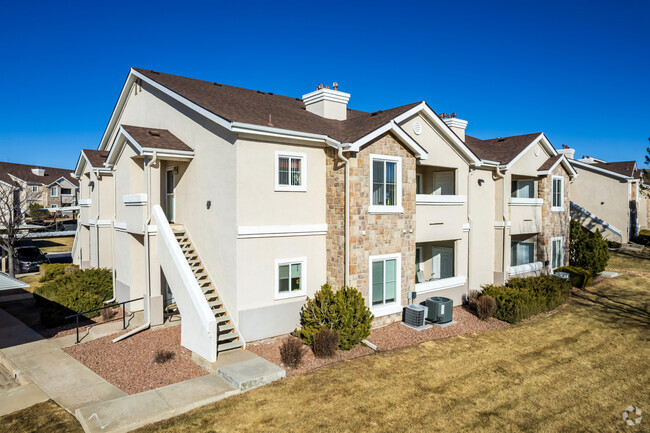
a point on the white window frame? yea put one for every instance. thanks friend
(67, 195)
(387, 209)
(303, 278)
(54, 206)
(419, 264)
(559, 208)
(523, 242)
(393, 307)
(553, 240)
(418, 182)
(303, 171)
(54, 191)
(34, 188)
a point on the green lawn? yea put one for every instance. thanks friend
(572, 371)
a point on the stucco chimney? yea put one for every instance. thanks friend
(566, 150)
(327, 103)
(38, 171)
(457, 125)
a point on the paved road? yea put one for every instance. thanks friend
(65, 257)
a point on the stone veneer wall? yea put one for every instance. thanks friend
(384, 233)
(554, 224)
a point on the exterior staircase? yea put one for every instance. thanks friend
(228, 336)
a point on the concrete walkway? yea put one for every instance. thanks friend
(64, 379)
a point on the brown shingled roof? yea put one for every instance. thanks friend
(24, 172)
(549, 163)
(626, 168)
(152, 138)
(501, 149)
(96, 157)
(237, 104)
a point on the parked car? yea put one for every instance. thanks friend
(28, 259)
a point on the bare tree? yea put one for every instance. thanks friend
(13, 201)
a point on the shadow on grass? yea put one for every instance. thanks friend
(618, 301)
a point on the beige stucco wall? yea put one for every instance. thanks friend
(604, 196)
(481, 244)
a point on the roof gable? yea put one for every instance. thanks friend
(24, 173)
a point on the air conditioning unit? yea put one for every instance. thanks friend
(415, 314)
(440, 309)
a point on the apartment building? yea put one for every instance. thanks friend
(234, 205)
(50, 187)
(607, 196)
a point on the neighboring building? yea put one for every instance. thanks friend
(607, 197)
(234, 205)
(53, 188)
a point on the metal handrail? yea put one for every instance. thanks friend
(111, 305)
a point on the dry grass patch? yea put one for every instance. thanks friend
(630, 261)
(575, 370)
(42, 417)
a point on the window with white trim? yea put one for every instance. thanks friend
(290, 171)
(54, 191)
(290, 278)
(418, 259)
(557, 253)
(522, 253)
(385, 184)
(523, 188)
(418, 184)
(557, 194)
(384, 277)
(54, 206)
(34, 188)
(66, 191)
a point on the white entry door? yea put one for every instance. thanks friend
(443, 183)
(443, 262)
(170, 185)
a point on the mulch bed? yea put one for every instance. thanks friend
(129, 364)
(84, 324)
(269, 349)
(388, 337)
(398, 335)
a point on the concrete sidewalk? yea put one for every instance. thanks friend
(64, 379)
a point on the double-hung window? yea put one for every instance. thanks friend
(54, 191)
(557, 194)
(385, 284)
(290, 278)
(385, 184)
(290, 171)
(557, 253)
(524, 188)
(522, 253)
(34, 188)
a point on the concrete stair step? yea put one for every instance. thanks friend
(219, 310)
(226, 327)
(216, 303)
(227, 337)
(229, 346)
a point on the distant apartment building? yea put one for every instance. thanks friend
(52, 188)
(232, 206)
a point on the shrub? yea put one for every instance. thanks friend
(34, 213)
(344, 311)
(163, 356)
(326, 342)
(472, 298)
(291, 352)
(587, 250)
(521, 298)
(578, 277)
(74, 293)
(643, 238)
(50, 271)
(485, 307)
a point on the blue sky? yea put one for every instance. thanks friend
(579, 71)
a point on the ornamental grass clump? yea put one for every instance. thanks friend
(326, 342)
(291, 352)
(485, 307)
(344, 311)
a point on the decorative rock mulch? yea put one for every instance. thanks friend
(398, 335)
(386, 338)
(129, 364)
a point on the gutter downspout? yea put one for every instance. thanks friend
(147, 271)
(347, 217)
(469, 221)
(505, 222)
